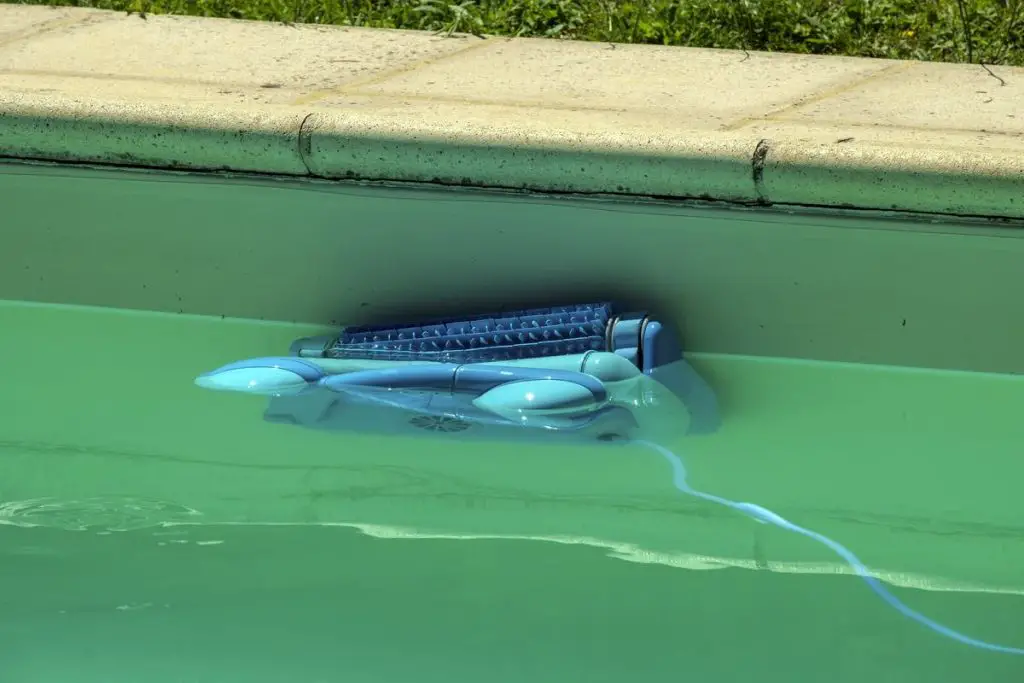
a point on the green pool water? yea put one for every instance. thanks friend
(150, 531)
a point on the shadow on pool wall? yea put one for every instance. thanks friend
(737, 281)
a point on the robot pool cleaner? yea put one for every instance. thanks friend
(580, 373)
(586, 373)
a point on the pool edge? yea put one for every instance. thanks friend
(789, 156)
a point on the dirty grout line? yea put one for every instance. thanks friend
(353, 86)
(126, 78)
(863, 126)
(482, 102)
(819, 97)
(54, 25)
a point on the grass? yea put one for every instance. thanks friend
(975, 31)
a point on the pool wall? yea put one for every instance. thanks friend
(738, 280)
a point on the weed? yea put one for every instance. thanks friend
(978, 31)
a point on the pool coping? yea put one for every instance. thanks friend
(785, 146)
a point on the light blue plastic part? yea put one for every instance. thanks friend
(538, 395)
(266, 376)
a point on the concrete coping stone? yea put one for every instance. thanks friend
(536, 115)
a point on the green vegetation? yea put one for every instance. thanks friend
(978, 31)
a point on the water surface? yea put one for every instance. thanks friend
(151, 531)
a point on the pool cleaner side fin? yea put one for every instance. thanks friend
(273, 376)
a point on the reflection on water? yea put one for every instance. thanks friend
(302, 603)
(765, 516)
(103, 513)
(149, 531)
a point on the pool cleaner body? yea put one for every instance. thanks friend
(578, 373)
